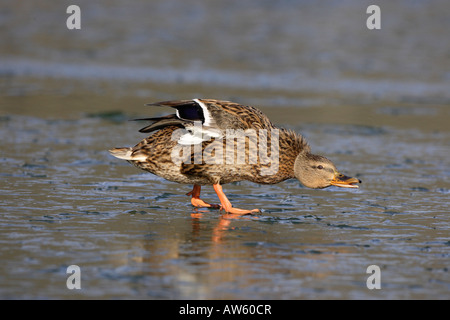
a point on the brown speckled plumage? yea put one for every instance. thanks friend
(217, 118)
(157, 149)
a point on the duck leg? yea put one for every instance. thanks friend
(226, 204)
(196, 201)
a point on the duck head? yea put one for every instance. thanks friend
(315, 171)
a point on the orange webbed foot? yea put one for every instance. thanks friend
(197, 202)
(226, 204)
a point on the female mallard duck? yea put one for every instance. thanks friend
(213, 142)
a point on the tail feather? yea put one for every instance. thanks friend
(122, 153)
(128, 154)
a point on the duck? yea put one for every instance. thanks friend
(210, 142)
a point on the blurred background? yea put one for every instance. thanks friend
(284, 53)
(376, 102)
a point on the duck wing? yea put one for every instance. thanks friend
(206, 118)
(185, 109)
(231, 115)
(187, 112)
(212, 114)
(192, 115)
(162, 122)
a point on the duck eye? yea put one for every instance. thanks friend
(320, 166)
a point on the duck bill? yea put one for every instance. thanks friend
(343, 181)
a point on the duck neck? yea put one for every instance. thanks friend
(292, 147)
